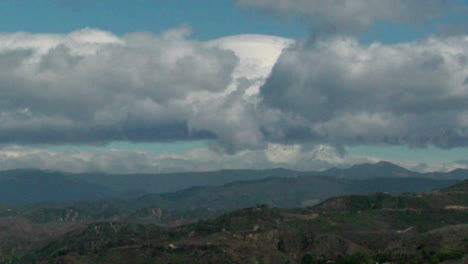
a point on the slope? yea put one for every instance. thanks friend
(351, 229)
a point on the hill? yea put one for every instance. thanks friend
(32, 186)
(208, 201)
(379, 228)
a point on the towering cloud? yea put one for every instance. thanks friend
(93, 87)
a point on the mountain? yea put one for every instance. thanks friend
(384, 169)
(171, 182)
(428, 227)
(378, 170)
(284, 192)
(34, 186)
(455, 174)
(208, 201)
(29, 186)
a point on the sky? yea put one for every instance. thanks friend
(175, 85)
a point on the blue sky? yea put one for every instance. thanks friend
(212, 19)
(209, 18)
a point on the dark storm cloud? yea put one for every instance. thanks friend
(340, 92)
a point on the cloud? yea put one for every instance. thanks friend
(463, 163)
(353, 15)
(420, 167)
(202, 159)
(336, 91)
(93, 87)
(233, 117)
(453, 29)
(295, 157)
(90, 86)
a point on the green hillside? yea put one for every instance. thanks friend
(411, 228)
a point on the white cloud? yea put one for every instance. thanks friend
(295, 157)
(339, 92)
(93, 87)
(257, 53)
(200, 159)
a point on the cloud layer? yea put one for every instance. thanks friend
(92, 86)
(202, 159)
(339, 92)
(295, 157)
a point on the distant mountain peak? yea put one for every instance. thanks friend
(371, 170)
(380, 165)
(459, 170)
(388, 164)
(385, 163)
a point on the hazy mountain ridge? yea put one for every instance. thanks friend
(33, 186)
(208, 201)
(26, 186)
(384, 169)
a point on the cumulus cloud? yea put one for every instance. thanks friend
(233, 117)
(330, 89)
(353, 15)
(92, 86)
(336, 91)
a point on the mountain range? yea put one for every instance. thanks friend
(203, 202)
(429, 227)
(32, 186)
(51, 217)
